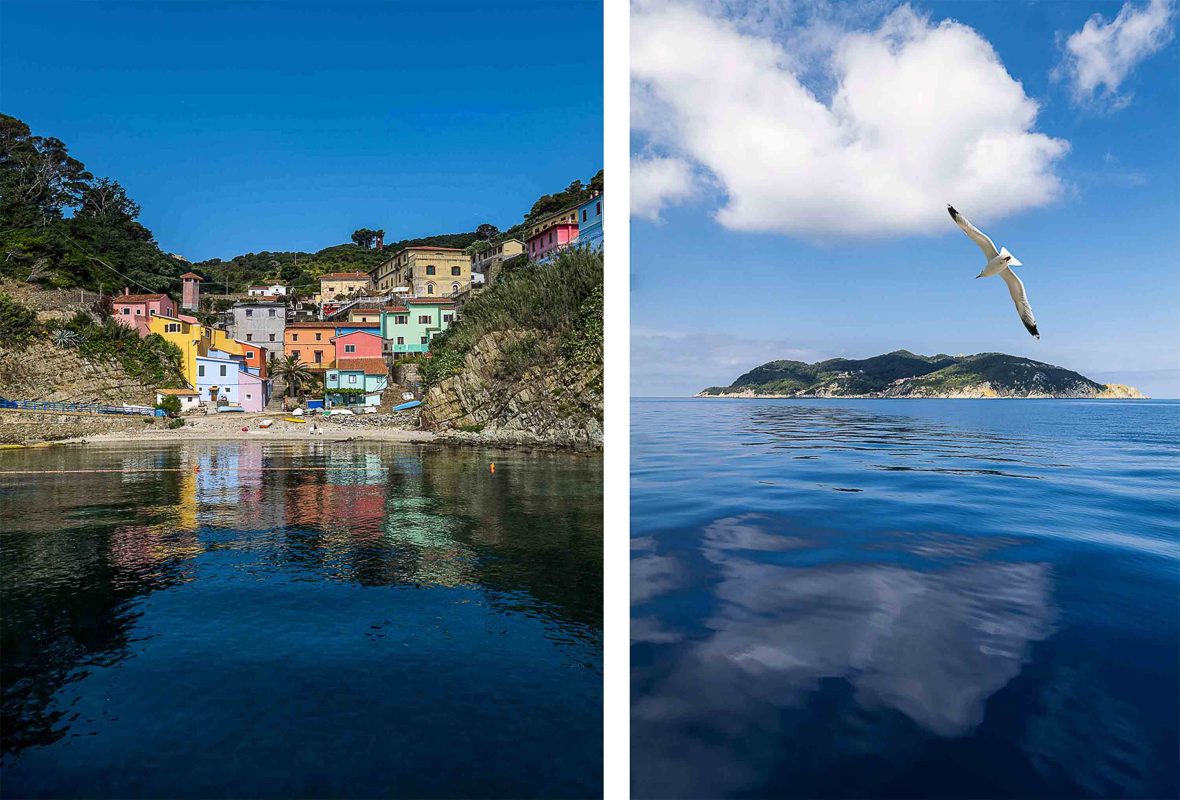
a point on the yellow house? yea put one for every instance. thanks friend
(425, 271)
(342, 284)
(193, 339)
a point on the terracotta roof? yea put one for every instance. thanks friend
(351, 333)
(430, 301)
(178, 392)
(139, 298)
(311, 325)
(192, 275)
(429, 247)
(358, 325)
(396, 309)
(353, 275)
(370, 366)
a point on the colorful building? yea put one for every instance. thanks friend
(135, 310)
(223, 379)
(552, 233)
(424, 271)
(311, 343)
(409, 328)
(273, 290)
(357, 381)
(358, 344)
(368, 314)
(190, 399)
(488, 262)
(255, 357)
(590, 223)
(342, 284)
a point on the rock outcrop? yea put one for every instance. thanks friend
(558, 403)
(43, 371)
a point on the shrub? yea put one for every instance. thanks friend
(18, 323)
(173, 424)
(170, 405)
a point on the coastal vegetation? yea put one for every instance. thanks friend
(905, 374)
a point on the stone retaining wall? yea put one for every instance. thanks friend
(28, 427)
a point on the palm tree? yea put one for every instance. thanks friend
(294, 373)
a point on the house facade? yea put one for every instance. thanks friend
(358, 344)
(136, 310)
(488, 262)
(223, 379)
(356, 381)
(190, 399)
(342, 284)
(409, 328)
(590, 223)
(311, 343)
(424, 272)
(273, 290)
(552, 233)
(368, 315)
(259, 322)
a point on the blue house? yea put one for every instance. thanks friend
(590, 223)
(356, 382)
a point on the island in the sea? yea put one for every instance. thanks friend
(905, 374)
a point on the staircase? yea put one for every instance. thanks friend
(278, 390)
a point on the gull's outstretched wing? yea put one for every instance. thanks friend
(979, 237)
(1016, 289)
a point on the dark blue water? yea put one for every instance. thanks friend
(330, 620)
(908, 598)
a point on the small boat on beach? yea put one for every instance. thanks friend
(407, 406)
(296, 419)
(265, 423)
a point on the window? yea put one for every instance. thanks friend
(350, 348)
(401, 340)
(352, 379)
(249, 337)
(430, 288)
(124, 310)
(172, 327)
(598, 209)
(454, 288)
(550, 237)
(139, 312)
(272, 312)
(448, 317)
(425, 339)
(430, 270)
(272, 337)
(424, 319)
(223, 370)
(200, 370)
(319, 337)
(248, 395)
(249, 312)
(583, 215)
(456, 271)
(319, 356)
(294, 337)
(295, 353)
(152, 312)
(331, 376)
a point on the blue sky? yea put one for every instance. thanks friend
(739, 258)
(268, 126)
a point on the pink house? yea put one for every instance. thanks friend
(358, 344)
(136, 310)
(552, 233)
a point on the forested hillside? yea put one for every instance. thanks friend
(60, 226)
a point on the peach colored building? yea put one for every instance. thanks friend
(136, 310)
(311, 343)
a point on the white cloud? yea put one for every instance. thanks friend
(656, 182)
(1100, 56)
(919, 115)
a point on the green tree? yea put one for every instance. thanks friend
(297, 375)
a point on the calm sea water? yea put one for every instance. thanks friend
(905, 598)
(330, 620)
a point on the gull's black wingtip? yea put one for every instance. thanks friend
(1033, 330)
(951, 210)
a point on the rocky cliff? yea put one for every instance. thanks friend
(905, 374)
(43, 371)
(558, 402)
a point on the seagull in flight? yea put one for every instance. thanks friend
(999, 262)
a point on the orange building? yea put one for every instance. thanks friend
(311, 343)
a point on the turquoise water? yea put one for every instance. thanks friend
(906, 598)
(329, 620)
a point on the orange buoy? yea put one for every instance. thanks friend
(492, 469)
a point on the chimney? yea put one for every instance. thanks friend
(381, 241)
(126, 290)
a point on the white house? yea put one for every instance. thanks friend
(190, 399)
(274, 290)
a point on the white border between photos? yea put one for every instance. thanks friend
(616, 354)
